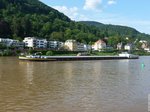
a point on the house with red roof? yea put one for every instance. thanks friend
(99, 45)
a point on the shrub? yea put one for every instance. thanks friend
(49, 53)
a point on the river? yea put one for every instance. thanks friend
(74, 86)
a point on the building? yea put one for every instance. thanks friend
(53, 44)
(119, 46)
(33, 42)
(144, 44)
(83, 47)
(41, 43)
(80, 47)
(11, 43)
(99, 45)
(20, 45)
(61, 44)
(109, 47)
(30, 42)
(128, 47)
(147, 49)
(7, 42)
(71, 45)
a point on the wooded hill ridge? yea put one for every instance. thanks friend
(22, 18)
(122, 31)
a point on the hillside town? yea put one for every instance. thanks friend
(69, 45)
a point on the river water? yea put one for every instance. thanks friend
(74, 86)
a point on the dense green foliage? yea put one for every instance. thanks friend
(49, 53)
(21, 18)
(118, 31)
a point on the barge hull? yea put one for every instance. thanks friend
(76, 58)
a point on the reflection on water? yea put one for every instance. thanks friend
(78, 86)
(28, 70)
(29, 75)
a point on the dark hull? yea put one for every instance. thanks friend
(76, 58)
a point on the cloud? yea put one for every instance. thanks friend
(71, 12)
(92, 4)
(82, 18)
(111, 2)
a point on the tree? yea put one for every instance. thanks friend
(27, 26)
(17, 27)
(57, 36)
(47, 29)
(2, 46)
(5, 30)
(113, 41)
(138, 45)
(49, 53)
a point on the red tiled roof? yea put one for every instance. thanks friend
(99, 41)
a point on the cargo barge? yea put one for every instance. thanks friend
(75, 58)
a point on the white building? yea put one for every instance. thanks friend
(55, 44)
(80, 47)
(33, 42)
(128, 47)
(30, 42)
(99, 45)
(41, 43)
(144, 44)
(7, 42)
(61, 44)
(119, 46)
(10, 42)
(83, 47)
(20, 45)
(71, 45)
(143, 41)
(147, 49)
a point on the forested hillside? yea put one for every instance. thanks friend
(116, 30)
(21, 18)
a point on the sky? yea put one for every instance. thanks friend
(132, 13)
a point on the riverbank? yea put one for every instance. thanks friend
(10, 52)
